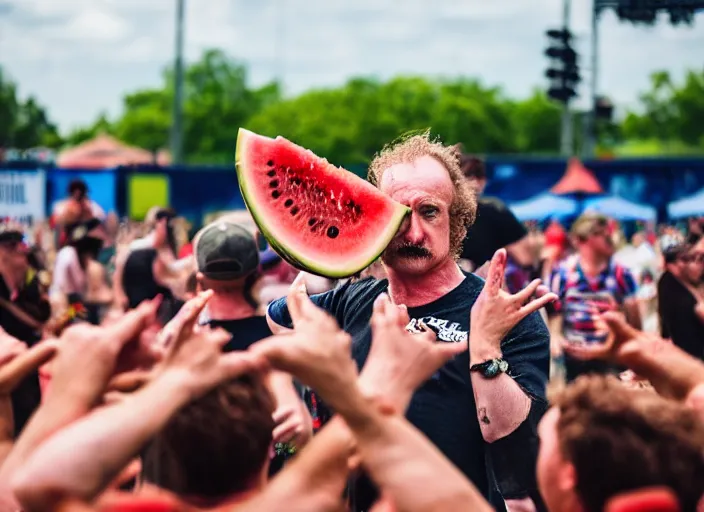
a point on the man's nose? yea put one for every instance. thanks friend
(414, 234)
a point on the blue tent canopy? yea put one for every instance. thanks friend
(620, 208)
(691, 206)
(544, 206)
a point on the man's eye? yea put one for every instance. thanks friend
(429, 212)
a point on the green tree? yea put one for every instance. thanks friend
(25, 124)
(670, 113)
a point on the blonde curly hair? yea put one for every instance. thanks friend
(464, 204)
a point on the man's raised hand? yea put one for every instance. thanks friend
(496, 311)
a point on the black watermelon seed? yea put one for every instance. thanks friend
(288, 203)
(275, 194)
(274, 183)
(271, 173)
(294, 210)
(270, 163)
(311, 222)
(333, 232)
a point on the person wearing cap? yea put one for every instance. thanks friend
(24, 309)
(679, 295)
(227, 261)
(587, 284)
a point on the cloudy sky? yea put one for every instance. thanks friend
(80, 56)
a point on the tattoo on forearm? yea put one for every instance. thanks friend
(483, 416)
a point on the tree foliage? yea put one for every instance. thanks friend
(349, 123)
(23, 123)
(670, 113)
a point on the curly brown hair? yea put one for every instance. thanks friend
(621, 439)
(464, 204)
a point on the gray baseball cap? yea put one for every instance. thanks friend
(225, 251)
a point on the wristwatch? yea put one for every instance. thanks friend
(491, 368)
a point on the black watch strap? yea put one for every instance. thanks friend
(491, 368)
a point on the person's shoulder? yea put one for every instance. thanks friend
(491, 202)
(362, 287)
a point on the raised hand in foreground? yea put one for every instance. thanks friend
(671, 371)
(16, 363)
(82, 459)
(400, 361)
(317, 351)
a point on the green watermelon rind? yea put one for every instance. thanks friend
(297, 260)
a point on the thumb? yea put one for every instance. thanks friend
(622, 330)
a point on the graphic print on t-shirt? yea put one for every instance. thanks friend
(445, 330)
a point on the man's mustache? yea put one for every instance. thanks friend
(413, 251)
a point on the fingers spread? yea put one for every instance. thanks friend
(526, 293)
(538, 303)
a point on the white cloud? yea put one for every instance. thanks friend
(80, 56)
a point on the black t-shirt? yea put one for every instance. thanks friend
(495, 227)
(443, 408)
(32, 300)
(678, 321)
(245, 331)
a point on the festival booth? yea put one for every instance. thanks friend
(104, 152)
(691, 206)
(544, 206)
(620, 209)
(578, 182)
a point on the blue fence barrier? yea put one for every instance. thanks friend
(197, 191)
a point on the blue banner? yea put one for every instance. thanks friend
(102, 186)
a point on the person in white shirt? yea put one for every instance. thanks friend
(84, 241)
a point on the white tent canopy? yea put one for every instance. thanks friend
(620, 208)
(687, 207)
(544, 206)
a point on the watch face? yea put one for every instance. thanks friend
(503, 366)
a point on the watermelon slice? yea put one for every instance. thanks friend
(320, 218)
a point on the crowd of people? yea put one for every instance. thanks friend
(480, 364)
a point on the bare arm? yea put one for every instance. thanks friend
(83, 458)
(294, 423)
(502, 405)
(405, 464)
(315, 479)
(95, 351)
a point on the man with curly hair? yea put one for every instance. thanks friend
(480, 409)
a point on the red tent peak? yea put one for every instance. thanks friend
(577, 179)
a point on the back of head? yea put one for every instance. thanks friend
(217, 446)
(78, 188)
(226, 255)
(620, 439)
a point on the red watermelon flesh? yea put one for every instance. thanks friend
(320, 218)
